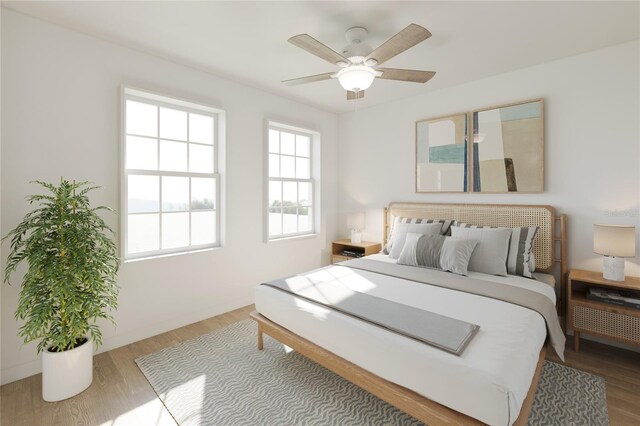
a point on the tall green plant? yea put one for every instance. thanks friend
(72, 266)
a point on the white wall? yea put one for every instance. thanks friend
(60, 116)
(592, 136)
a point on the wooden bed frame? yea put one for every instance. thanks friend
(421, 408)
(427, 411)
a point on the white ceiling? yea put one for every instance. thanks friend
(246, 41)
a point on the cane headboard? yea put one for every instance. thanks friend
(507, 215)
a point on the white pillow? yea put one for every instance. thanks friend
(400, 234)
(490, 255)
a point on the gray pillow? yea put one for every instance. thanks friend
(437, 252)
(520, 259)
(490, 255)
(446, 224)
(402, 229)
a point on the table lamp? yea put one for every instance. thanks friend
(355, 222)
(614, 242)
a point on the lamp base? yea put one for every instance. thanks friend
(356, 236)
(613, 268)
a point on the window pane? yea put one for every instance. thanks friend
(289, 220)
(143, 232)
(287, 143)
(287, 167)
(175, 230)
(275, 222)
(305, 196)
(142, 119)
(275, 194)
(304, 219)
(274, 165)
(203, 228)
(302, 168)
(200, 158)
(200, 128)
(143, 194)
(173, 124)
(203, 193)
(142, 153)
(274, 141)
(173, 156)
(289, 194)
(302, 146)
(175, 194)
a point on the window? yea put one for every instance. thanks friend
(291, 205)
(171, 182)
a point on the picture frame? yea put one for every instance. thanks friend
(507, 153)
(442, 154)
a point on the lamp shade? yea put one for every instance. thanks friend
(614, 240)
(356, 77)
(355, 221)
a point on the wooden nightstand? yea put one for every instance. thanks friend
(620, 323)
(365, 247)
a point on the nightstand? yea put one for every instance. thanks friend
(365, 248)
(616, 322)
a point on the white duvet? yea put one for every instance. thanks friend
(489, 381)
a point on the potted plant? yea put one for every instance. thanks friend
(70, 283)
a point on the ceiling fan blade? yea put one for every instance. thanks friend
(400, 42)
(308, 79)
(313, 46)
(414, 76)
(355, 95)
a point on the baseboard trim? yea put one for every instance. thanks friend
(30, 368)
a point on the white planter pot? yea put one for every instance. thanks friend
(65, 374)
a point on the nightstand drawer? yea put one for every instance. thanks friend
(606, 323)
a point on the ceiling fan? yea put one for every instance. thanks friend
(359, 64)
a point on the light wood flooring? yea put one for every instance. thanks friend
(121, 396)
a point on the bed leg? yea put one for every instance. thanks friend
(260, 343)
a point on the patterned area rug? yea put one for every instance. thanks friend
(222, 379)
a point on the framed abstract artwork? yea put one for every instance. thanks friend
(508, 148)
(442, 154)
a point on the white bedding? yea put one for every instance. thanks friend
(489, 381)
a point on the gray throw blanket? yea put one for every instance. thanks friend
(518, 296)
(442, 332)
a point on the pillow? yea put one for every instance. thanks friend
(402, 229)
(437, 252)
(490, 255)
(446, 224)
(520, 260)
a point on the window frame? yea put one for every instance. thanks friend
(314, 179)
(162, 101)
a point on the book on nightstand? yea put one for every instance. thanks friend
(617, 297)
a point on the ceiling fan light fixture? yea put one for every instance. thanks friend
(356, 78)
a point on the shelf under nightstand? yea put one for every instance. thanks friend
(365, 248)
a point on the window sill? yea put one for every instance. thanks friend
(294, 238)
(161, 256)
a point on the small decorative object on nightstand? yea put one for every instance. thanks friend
(602, 307)
(614, 242)
(346, 250)
(355, 222)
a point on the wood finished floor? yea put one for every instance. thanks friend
(121, 396)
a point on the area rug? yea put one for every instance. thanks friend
(222, 379)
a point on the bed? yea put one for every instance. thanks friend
(492, 382)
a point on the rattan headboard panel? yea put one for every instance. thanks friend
(489, 215)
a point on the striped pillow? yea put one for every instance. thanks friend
(446, 224)
(437, 252)
(520, 258)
